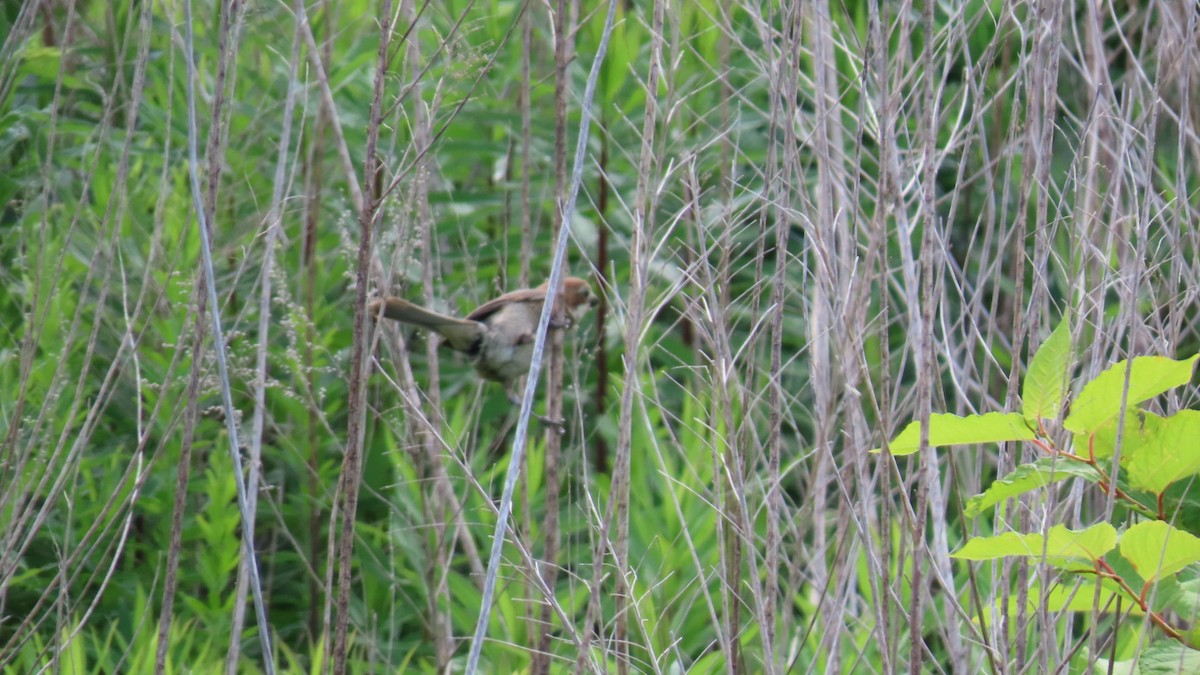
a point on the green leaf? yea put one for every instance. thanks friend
(1092, 594)
(1028, 477)
(1182, 503)
(1178, 594)
(1170, 452)
(1162, 657)
(1047, 378)
(1150, 376)
(1061, 547)
(1157, 550)
(947, 429)
(1101, 442)
(1109, 597)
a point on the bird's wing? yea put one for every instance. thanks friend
(482, 312)
(461, 334)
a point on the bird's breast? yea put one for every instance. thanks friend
(506, 346)
(504, 360)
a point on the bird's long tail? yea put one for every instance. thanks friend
(460, 334)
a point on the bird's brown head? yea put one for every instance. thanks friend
(578, 297)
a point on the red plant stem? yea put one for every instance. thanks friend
(1104, 570)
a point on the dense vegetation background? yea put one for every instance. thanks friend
(810, 223)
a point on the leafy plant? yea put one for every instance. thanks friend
(1144, 461)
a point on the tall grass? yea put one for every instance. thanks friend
(809, 224)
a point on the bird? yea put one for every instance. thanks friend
(498, 335)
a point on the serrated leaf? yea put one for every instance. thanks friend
(947, 429)
(1046, 379)
(1100, 400)
(1157, 550)
(1061, 546)
(1170, 452)
(1028, 477)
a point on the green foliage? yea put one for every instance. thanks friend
(1157, 550)
(99, 336)
(1103, 399)
(1040, 473)
(1060, 547)
(1047, 380)
(1156, 453)
(947, 429)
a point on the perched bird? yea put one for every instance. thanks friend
(498, 336)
